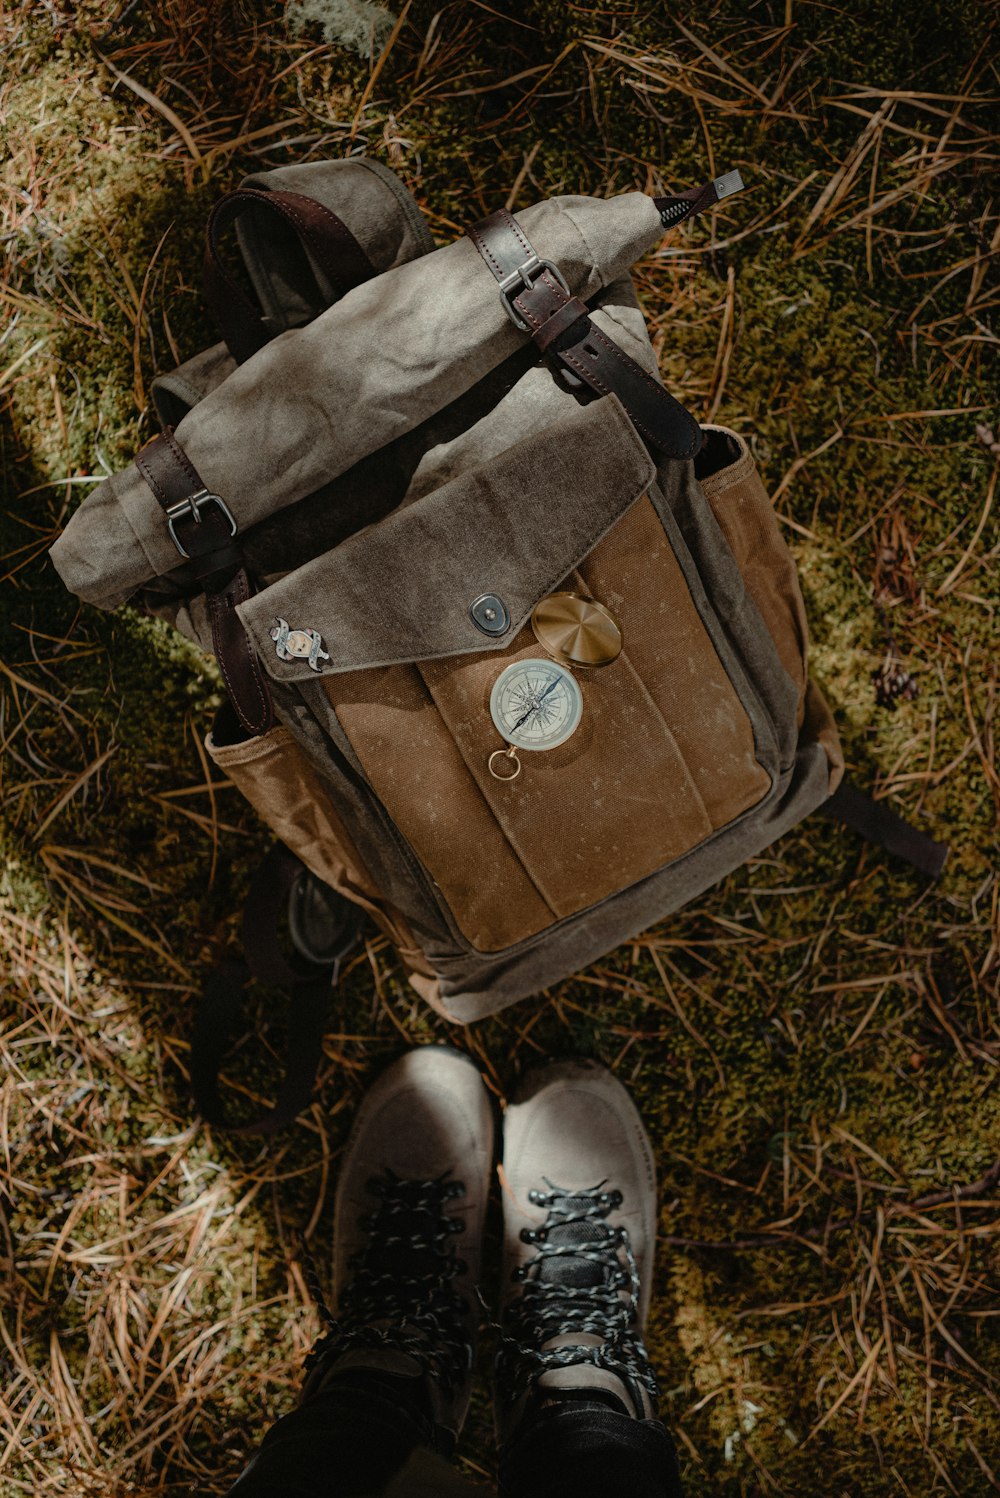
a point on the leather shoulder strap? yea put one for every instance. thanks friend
(879, 825)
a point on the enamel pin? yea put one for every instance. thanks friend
(298, 644)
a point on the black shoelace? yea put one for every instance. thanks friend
(401, 1296)
(584, 1279)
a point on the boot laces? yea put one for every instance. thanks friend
(584, 1279)
(401, 1296)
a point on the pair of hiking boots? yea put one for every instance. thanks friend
(579, 1222)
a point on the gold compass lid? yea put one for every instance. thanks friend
(577, 631)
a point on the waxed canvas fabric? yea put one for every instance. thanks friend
(393, 457)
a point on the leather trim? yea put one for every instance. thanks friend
(218, 561)
(576, 344)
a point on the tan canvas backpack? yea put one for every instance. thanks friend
(515, 652)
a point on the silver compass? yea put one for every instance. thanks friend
(535, 705)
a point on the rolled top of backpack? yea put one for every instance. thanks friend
(316, 400)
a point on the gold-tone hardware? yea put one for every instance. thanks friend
(508, 754)
(577, 631)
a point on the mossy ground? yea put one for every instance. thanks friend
(814, 1043)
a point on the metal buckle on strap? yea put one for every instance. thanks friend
(522, 279)
(192, 507)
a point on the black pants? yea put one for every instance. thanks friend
(362, 1440)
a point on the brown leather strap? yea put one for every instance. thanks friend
(535, 296)
(203, 531)
(167, 469)
(326, 237)
(879, 825)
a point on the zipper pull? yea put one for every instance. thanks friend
(674, 210)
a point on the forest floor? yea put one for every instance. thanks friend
(814, 1043)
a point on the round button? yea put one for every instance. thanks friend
(489, 614)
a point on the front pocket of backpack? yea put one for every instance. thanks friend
(665, 753)
(283, 788)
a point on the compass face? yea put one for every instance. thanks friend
(536, 704)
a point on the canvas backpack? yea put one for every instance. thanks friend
(515, 652)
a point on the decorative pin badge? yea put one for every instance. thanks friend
(298, 644)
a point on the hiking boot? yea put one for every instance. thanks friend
(408, 1224)
(579, 1210)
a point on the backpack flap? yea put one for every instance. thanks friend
(672, 744)
(313, 403)
(511, 529)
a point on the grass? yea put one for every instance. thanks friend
(815, 1042)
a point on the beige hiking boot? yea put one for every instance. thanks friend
(579, 1207)
(408, 1226)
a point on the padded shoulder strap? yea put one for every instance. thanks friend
(327, 238)
(878, 824)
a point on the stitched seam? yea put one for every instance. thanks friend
(516, 229)
(633, 368)
(347, 239)
(337, 224)
(181, 457)
(484, 249)
(218, 606)
(565, 322)
(532, 317)
(147, 474)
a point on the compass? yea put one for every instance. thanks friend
(577, 631)
(535, 705)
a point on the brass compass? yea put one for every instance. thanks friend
(537, 704)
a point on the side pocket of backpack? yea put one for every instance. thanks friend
(277, 779)
(743, 510)
(746, 518)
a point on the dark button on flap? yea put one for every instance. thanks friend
(514, 527)
(489, 613)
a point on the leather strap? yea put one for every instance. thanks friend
(204, 532)
(536, 293)
(879, 825)
(218, 1022)
(326, 237)
(222, 1010)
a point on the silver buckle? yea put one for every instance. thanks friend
(522, 279)
(192, 507)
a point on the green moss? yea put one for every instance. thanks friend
(752, 1099)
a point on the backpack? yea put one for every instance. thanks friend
(515, 653)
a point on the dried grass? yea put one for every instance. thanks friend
(815, 1043)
